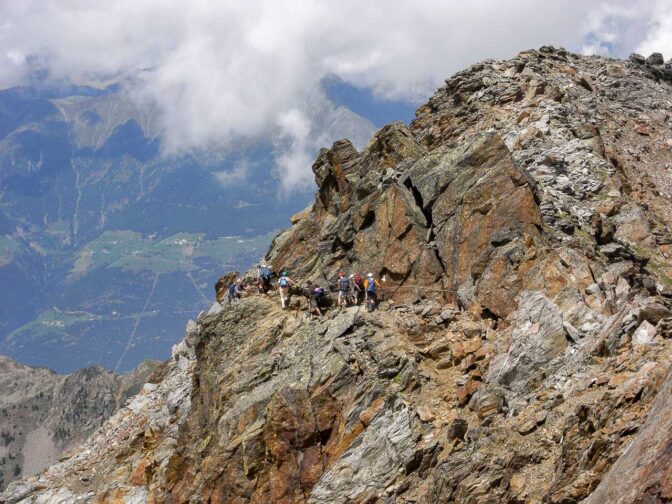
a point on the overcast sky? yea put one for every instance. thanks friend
(225, 70)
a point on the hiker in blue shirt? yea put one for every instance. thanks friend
(343, 289)
(234, 291)
(264, 275)
(371, 292)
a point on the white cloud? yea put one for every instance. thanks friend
(293, 159)
(619, 28)
(301, 132)
(223, 71)
(659, 31)
(235, 176)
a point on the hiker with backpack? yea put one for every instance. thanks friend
(315, 295)
(284, 283)
(343, 289)
(371, 292)
(357, 283)
(264, 278)
(234, 291)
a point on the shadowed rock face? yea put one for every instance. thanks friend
(522, 221)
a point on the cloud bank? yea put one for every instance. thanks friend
(221, 71)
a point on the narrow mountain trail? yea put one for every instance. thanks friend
(131, 338)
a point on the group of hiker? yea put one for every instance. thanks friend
(352, 289)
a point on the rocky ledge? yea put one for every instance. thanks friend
(520, 354)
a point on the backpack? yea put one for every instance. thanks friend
(232, 289)
(265, 273)
(358, 280)
(344, 283)
(371, 287)
(283, 282)
(319, 291)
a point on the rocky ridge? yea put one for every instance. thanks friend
(44, 415)
(522, 221)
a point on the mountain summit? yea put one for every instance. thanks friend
(520, 353)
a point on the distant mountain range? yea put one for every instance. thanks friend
(108, 247)
(44, 414)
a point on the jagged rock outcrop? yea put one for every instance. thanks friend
(522, 221)
(44, 415)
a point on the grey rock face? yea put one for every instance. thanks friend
(644, 334)
(380, 453)
(655, 59)
(537, 339)
(642, 473)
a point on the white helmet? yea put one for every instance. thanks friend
(370, 275)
